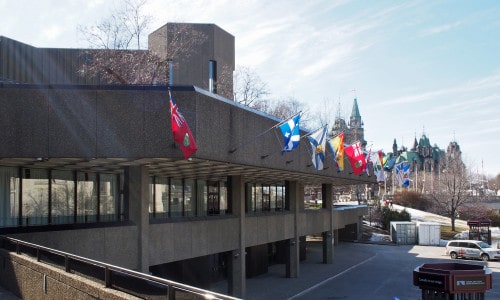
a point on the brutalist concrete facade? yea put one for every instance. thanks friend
(208, 43)
(56, 121)
(126, 130)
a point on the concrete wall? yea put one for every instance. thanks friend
(266, 229)
(28, 279)
(24, 63)
(175, 241)
(313, 221)
(205, 42)
(131, 122)
(112, 245)
(348, 215)
(181, 240)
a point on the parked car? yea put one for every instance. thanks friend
(471, 249)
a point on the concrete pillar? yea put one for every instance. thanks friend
(360, 228)
(327, 191)
(137, 195)
(295, 198)
(237, 270)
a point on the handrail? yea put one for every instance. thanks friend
(108, 269)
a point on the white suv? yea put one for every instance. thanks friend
(471, 249)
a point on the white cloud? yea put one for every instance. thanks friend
(440, 29)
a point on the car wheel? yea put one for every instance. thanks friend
(453, 255)
(485, 257)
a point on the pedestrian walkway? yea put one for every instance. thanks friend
(312, 271)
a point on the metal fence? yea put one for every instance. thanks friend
(132, 282)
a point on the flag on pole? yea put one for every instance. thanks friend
(378, 169)
(403, 173)
(318, 143)
(390, 161)
(291, 133)
(381, 156)
(356, 158)
(367, 159)
(180, 129)
(337, 146)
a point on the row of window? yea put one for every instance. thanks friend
(42, 197)
(171, 197)
(174, 197)
(262, 198)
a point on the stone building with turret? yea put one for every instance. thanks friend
(353, 131)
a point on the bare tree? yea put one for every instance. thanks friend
(494, 184)
(453, 183)
(325, 114)
(117, 31)
(124, 67)
(248, 87)
(110, 59)
(287, 107)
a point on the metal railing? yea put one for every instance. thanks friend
(113, 277)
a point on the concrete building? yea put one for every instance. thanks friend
(93, 170)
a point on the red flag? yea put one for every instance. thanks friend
(356, 158)
(181, 131)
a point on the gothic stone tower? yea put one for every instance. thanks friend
(356, 131)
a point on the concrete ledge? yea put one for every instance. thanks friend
(28, 279)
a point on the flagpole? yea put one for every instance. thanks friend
(279, 124)
(264, 132)
(313, 131)
(286, 120)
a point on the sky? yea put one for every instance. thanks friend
(415, 67)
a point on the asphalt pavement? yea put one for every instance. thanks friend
(359, 271)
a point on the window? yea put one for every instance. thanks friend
(9, 197)
(261, 198)
(170, 72)
(58, 197)
(109, 198)
(213, 201)
(223, 205)
(35, 197)
(159, 197)
(266, 198)
(280, 198)
(86, 197)
(212, 76)
(62, 197)
(189, 198)
(176, 196)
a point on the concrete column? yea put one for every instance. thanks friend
(295, 197)
(360, 228)
(137, 195)
(237, 270)
(327, 191)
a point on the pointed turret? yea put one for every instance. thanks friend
(355, 120)
(356, 126)
(415, 144)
